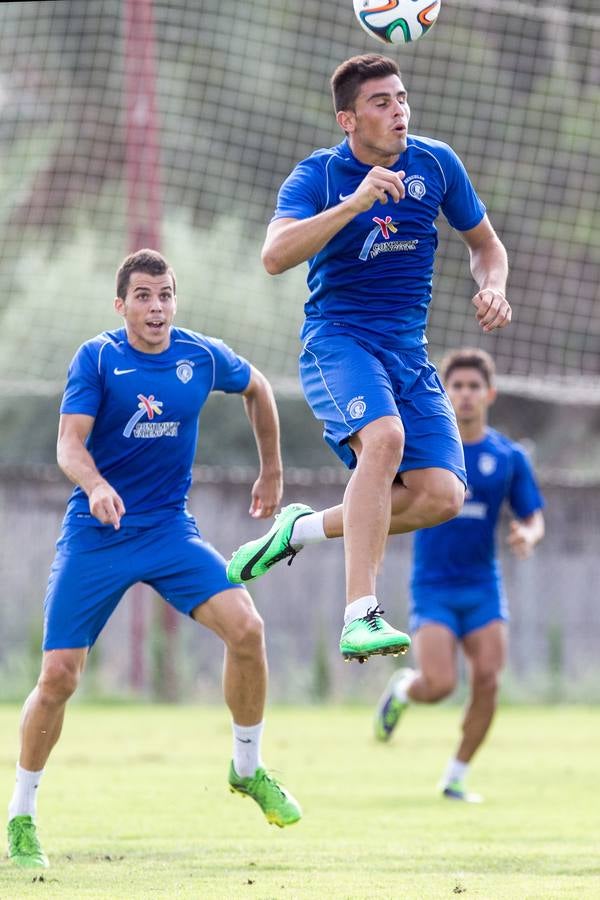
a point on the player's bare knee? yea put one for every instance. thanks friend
(58, 681)
(384, 447)
(439, 687)
(248, 636)
(444, 503)
(485, 681)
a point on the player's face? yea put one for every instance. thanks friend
(378, 124)
(148, 310)
(470, 395)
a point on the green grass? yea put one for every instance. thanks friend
(134, 804)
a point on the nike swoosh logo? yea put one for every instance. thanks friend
(246, 573)
(245, 740)
(345, 196)
(123, 371)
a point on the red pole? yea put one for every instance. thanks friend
(141, 135)
(142, 165)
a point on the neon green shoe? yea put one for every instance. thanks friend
(371, 636)
(24, 848)
(456, 790)
(255, 558)
(390, 708)
(278, 805)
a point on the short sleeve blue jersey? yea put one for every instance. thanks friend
(375, 275)
(463, 550)
(145, 408)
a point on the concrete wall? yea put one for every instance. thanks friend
(555, 630)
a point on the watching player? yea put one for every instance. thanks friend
(127, 437)
(457, 594)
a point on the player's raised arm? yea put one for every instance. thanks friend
(76, 462)
(292, 241)
(262, 413)
(489, 267)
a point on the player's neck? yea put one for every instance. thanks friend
(473, 431)
(369, 156)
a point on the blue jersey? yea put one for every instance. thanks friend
(374, 276)
(146, 409)
(462, 551)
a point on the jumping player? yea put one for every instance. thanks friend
(362, 215)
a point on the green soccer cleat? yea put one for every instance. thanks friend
(371, 636)
(256, 557)
(278, 805)
(456, 790)
(24, 847)
(390, 708)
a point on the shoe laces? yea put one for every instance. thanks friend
(269, 781)
(288, 550)
(373, 617)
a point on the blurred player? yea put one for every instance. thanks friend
(456, 586)
(362, 214)
(127, 439)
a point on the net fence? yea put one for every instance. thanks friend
(125, 120)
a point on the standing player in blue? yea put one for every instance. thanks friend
(362, 214)
(127, 438)
(457, 594)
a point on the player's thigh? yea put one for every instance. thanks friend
(347, 387)
(486, 648)
(191, 575)
(435, 646)
(232, 616)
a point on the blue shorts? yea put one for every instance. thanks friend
(349, 382)
(94, 566)
(462, 609)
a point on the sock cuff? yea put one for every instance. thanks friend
(359, 608)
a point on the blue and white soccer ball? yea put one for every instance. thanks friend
(396, 21)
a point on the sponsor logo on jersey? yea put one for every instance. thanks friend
(386, 225)
(415, 186)
(357, 407)
(383, 228)
(149, 407)
(473, 510)
(118, 371)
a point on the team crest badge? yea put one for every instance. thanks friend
(487, 463)
(357, 407)
(416, 187)
(184, 372)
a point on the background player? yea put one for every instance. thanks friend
(127, 439)
(457, 594)
(362, 214)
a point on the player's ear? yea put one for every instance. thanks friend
(346, 120)
(119, 305)
(492, 394)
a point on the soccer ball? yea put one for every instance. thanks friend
(396, 21)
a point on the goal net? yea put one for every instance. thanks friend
(223, 98)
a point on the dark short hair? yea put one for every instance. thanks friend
(348, 78)
(149, 261)
(469, 358)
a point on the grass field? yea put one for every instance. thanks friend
(134, 805)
